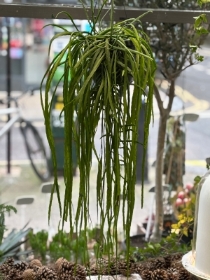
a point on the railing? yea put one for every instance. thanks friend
(45, 11)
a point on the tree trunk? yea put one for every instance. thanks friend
(158, 226)
(164, 113)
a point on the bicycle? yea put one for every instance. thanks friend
(33, 142)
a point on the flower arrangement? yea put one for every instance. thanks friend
(184, 210)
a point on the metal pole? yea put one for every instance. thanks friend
(8, 95)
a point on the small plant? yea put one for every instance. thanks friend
(70, 247)
(167, 246)
(38, 242)
(60, 246)
(63, 245)
(179, 240)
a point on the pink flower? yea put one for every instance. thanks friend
(181, 195)
(189, 186)
(179, 202)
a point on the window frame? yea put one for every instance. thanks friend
(47, 11)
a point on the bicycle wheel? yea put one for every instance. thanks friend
(35, 150)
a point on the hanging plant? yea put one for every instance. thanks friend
(98, 69)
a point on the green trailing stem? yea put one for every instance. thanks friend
(98, 69)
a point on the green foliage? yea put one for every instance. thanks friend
(10, 246)
(200, 27)
(175, 44)
(179, 240)
(4, 209)
(99, 67)
(60, 246)
(167, 245)
(38, 242)
(183, 225)
(185, 213)
(201, 2)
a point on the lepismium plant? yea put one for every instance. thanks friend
(98, 68)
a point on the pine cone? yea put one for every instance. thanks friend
(110, 267)
(45, 273)
(102, 261)
(65, 269)
(35, 262)
(177, 265)
(184, 275)
(21, 266)
(5, 268)
(146, 275)
(173, 271)
(126, 268)
(158, 263)
(9, 261)
(52, 267)
(98, 271)
(59, 262)
(172, 275)
(100, 267)
(168, 261)
(29, 274)
(69, 270)
(176, 257)
(159, 274)
(13, 275)
(139, 268)
(79, 272)
(92, 270)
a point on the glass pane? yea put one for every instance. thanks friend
(29, 41)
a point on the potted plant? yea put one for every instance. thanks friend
(98, 69)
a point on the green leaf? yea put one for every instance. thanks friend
(201, 30)
(197, 179)
(200, 20)
(201, 2)
(193, 48)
